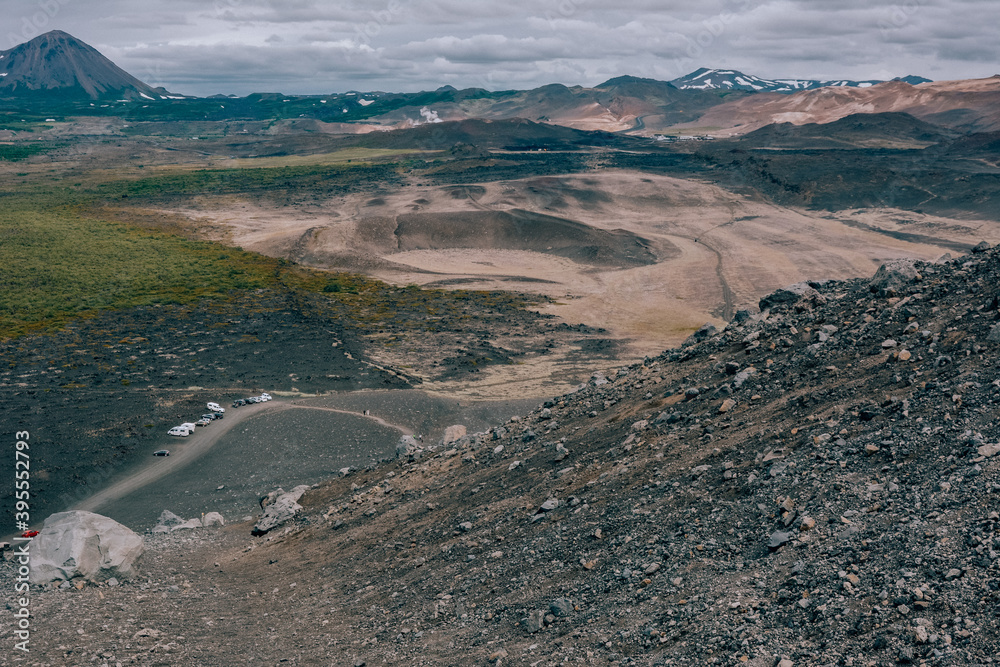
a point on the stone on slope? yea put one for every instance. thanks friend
(742, 376)
(408, 447)
(787, 296)
(453, 434)
(190, 524)
(213, 519)
(706, 331)
(561, 607)
(83, 545)
(892, 276)
(989, 451)
(167, 521)
(534, 622)
(778, 539)
(281, 510)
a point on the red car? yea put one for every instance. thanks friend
(29, 533)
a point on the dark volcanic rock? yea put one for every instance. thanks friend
(893, 276)
(786, 296)
(842, 511)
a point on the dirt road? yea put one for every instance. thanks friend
(184, 452)
(194, 446)
(378, 420)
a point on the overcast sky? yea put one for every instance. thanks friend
(202, 47)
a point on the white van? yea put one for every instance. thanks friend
(215, 407)
(180, 431)
(189, 426)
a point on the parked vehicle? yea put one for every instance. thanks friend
(203, 422)
(253, 399)
(215, 407)
(162, 452)
(210, 416)
(218, 415)
(265, 396)
(239, 402)
(179, 431)
(189, 426)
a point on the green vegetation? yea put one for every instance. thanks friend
(275, 183)
(58, 265)
(65, 256)
(76, 246)
(260, 107)
(18, 118)
(22, 151)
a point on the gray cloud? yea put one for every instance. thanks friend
(314, 46)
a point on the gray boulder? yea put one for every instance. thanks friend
(778, 539)
(169, 522)
(284, 507)
(787, 296)
(535, 621)
(83, 545)
(706, 331)
(408, 447)
(190, 524)
(213, 519)
(453, 434)
(892, 276)
(561, 607)
(741, 316)
(166, 522)
(169, 519)
(271, 497)
(741, 377)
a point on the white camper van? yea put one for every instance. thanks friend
(179, 431)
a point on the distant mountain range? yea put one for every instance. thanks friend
(57, 63)
(67, 77)
(971, 105)
(728, 79)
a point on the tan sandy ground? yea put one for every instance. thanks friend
(719, 250)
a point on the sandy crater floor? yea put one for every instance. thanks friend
(715, 250)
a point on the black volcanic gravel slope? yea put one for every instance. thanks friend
(101, 394)
(817, 483)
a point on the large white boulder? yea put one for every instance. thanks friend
(453, 434)
(188, 525)
(213, 519)
(83, 545)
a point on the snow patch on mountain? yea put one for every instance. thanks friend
(727, 79)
